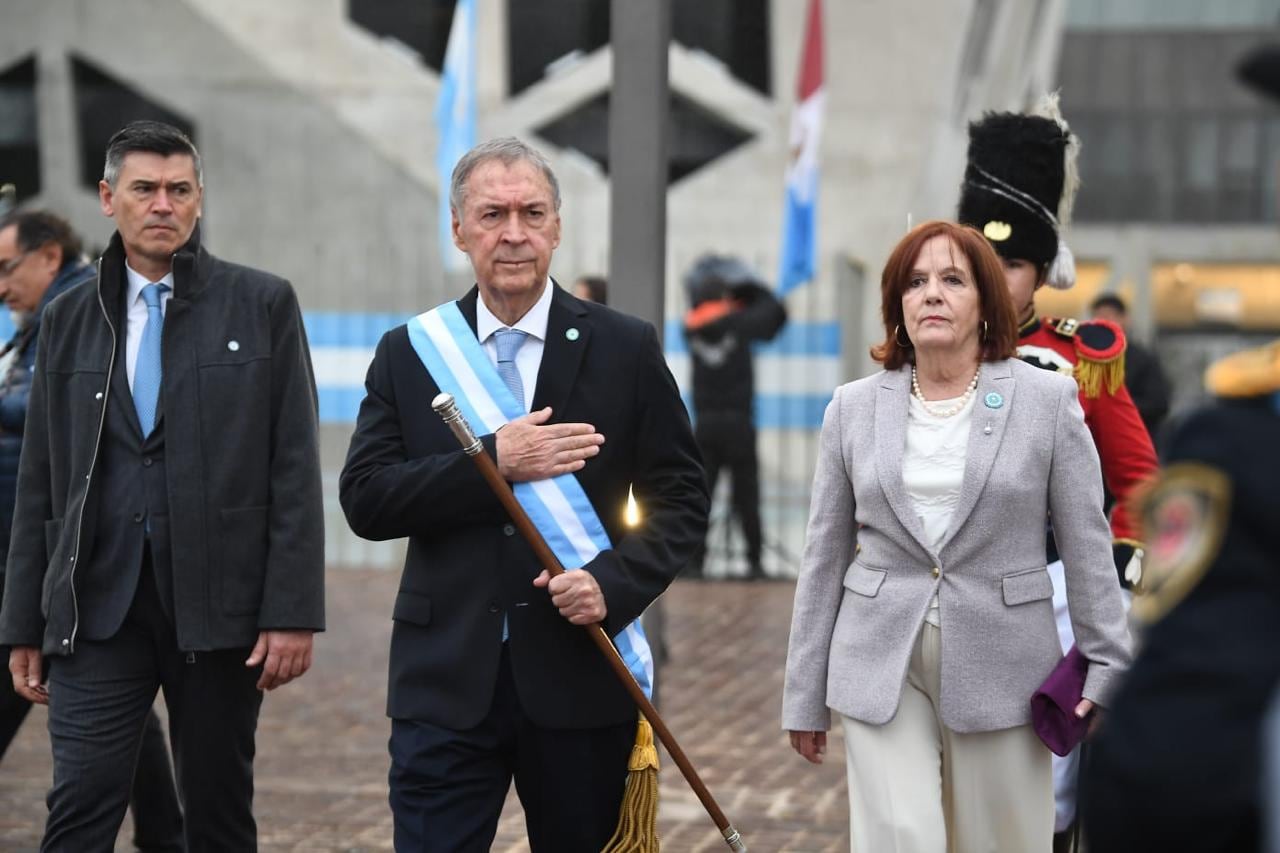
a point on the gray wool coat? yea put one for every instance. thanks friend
(868, 573)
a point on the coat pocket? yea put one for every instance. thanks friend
(244, 558)
(412, 607)
(863, 580)
(1030, 585)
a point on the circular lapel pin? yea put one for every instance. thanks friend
(993, 400)
(571, 334)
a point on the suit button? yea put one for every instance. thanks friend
(509, 530)
(147, 462)
(137, 517)
(493, 607)
(935, 571)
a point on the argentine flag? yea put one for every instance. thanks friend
(455, 118)
(799, 260)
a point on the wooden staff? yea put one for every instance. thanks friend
(447, 409)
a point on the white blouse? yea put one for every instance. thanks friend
(933, 468)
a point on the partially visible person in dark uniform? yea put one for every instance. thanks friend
(40, 259)
(592, 288)
(731, 308)
(1143, 376)
(1019, 187)
(1178, 765)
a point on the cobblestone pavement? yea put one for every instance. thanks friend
(321, 768)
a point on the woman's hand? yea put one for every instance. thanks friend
(1083, 710)
(811, 745)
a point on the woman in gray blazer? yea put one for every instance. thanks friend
(923, 612)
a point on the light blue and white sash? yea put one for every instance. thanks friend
(558, 507)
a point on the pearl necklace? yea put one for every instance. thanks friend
(950, 410)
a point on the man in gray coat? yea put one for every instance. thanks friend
(168, 532)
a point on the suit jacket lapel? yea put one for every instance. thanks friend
(990, 414)
(467, 305)
(891, 443)
(568, 333)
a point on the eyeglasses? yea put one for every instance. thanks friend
(7, 267)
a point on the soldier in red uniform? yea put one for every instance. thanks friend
(1018, 188)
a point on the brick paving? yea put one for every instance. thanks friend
(321, 768)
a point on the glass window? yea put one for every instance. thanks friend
(541, 33)
(696, 135)
(19, 131)
(103, 106)
(422, 25)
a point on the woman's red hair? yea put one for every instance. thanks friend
(1000, 338)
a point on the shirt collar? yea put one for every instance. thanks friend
(137, 281)
(534, 321)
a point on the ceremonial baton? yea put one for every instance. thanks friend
(447, 409)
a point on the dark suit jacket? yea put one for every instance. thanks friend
(405, 475)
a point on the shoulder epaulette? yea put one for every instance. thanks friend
(1251, 373)
(1099, 346)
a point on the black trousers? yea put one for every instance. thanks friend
(728, 440)
(99, 699)
(448, 787)
(157, 816)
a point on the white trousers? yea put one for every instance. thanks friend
(915, 786)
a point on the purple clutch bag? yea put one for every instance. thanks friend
(1053, 706)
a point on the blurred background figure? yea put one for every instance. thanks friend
(731, 308)
(1180, 763)
(1143, 376)
(40, 259)
(592, 288)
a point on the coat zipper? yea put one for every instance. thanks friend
(93, 462)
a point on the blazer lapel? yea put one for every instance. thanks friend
(990, 414)
(568, 333)
(891, 443)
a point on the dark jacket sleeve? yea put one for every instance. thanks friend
(384, 493)
(669, 487)
(760, 317)
(293, 594)
(21, 619)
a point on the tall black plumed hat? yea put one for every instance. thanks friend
(1019, 186)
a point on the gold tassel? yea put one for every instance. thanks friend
(637, 830)
(1093, 376)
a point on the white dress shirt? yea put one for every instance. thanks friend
(933, 469)
(136, 317)
(529, 356)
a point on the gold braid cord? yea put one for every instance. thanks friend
(1093, 376)
(637, 830)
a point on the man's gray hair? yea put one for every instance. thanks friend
(507, 150)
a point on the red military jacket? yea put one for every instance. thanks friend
(1092, 351)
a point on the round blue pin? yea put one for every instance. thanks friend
(571, 334)
(993, 400)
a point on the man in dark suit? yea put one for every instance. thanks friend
(490, 676)
(168, 532)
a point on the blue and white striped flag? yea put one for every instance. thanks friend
(799, 258)
(455, 118)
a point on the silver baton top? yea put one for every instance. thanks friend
(448, 410)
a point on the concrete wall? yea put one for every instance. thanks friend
(319, 152)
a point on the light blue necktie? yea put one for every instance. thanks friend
(509, 342)
(146, 373)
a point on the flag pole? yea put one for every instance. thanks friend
(447, 409)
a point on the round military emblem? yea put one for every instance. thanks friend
(1185, 516)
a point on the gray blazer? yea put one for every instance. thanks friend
(868, 573)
